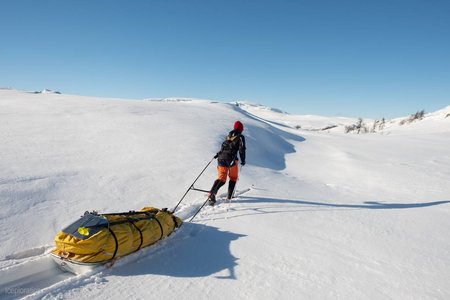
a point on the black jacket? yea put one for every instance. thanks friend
(233, 144)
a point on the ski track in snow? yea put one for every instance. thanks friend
(32, 273)
(332, 216)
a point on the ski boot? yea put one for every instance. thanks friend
(211, 199)
(231, 186)
(212, 194)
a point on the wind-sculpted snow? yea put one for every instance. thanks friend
(276, 145)
(329, 215)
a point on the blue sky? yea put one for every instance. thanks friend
(382, 58)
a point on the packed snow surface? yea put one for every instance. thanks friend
(329, 215)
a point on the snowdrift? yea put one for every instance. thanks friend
(369, 215)
(100, 238)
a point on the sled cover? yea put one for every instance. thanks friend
(97, 238)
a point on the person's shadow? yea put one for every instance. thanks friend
(196, 250)
(303, 205)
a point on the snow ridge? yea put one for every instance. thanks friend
(329, 215)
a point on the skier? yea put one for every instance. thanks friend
(227, 161)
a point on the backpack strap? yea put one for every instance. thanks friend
(232, 137)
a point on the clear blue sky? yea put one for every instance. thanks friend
(380, 58)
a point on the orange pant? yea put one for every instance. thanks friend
(232, 171)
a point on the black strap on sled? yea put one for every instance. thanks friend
(147, 217)
(115, 240)
(131, 212)
(160, 227)
(157, 221)
(140, 232)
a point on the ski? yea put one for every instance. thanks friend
(223, 197)
(219, 199)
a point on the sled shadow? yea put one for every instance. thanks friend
(364, 205)
(196, 250)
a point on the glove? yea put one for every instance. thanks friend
(217, 155)
(243, 163)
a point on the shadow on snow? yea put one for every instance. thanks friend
(267, 146)
(364, 205)
(196, 250)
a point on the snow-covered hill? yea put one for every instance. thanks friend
(434, 121)
(329, 215)
(305, 122)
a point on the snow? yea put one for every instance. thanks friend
(329, 215)
(305, 122)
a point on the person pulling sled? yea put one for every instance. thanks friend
(227, 161)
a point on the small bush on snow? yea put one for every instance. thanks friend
(414, 117)
(358, 128)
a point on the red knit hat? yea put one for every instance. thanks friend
(238, 126)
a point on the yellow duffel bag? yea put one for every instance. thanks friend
(97, 238)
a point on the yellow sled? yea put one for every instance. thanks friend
(96, 239)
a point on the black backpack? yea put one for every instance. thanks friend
(229, 149)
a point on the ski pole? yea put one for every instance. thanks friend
(204, 203)
(192, 185)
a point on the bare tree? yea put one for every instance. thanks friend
(350, 128)
(419, 115)
(374, 126)
(359, 127)
(382, 123)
